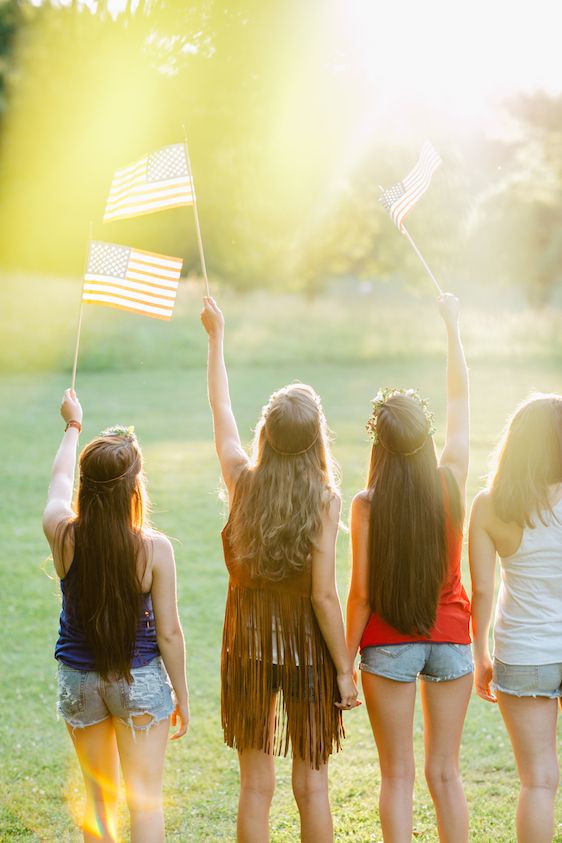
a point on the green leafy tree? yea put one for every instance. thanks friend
(520, 215)
(10, 14)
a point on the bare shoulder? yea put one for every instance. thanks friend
(235, 471)
(482, 511)
(361, 504)
(334, 507)
(55, 515)
(330, 519)
(162, 549)
(331, 512)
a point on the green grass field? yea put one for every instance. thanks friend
(152, 375)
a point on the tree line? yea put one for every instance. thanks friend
(271, 102)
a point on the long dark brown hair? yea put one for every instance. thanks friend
(103, 586)
(279, 499)
(407, 535)
(528, 461)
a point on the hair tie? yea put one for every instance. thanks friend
(291, 453)
(111, 479)
(402, 453)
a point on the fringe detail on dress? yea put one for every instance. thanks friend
(272, 643)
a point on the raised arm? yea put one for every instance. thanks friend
(59, 496)
(455, 452)
(327, 606)
(482, 558)
(231, 454)
(358, 602)
(169, 633)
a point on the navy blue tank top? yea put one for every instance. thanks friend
(72, 649)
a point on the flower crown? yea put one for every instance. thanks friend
(380, 400)
(119, 430)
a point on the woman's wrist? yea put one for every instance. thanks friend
(73, 424)
(347, 673)
(453, 330)
(481, 653)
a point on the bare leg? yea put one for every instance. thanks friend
(142, 759)
(257, 784)
(391, 711)
(531, 723)
(97, 753)
(444, 709)
(310, 788)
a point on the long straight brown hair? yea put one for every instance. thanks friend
(103, 587)
(407, 536)
(279, 499)
(528, 461)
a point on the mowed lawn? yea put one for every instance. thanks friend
(152, 375)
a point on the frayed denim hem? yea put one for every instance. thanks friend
(449, 678)
(550, 695)
(142, 727)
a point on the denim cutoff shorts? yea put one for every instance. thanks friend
(86, 699)
(528, 680)
(433, 662)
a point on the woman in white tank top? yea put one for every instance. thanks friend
(519, 519)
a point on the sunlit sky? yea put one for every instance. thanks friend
(455, 54)
(458, 56)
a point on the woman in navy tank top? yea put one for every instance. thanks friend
(120, 648)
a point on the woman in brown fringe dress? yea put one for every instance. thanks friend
(285, 671)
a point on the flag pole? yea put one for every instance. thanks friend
(77, 346)
(405, 231)
(75, 363)
(196, 215)
(422, 259)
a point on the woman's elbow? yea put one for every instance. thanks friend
(481, 591)
(358, 602)
(324, 599)
(170, 635)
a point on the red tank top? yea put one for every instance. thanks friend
(452, 622)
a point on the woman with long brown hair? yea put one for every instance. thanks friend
(519, 518)
(120, 637)
(407, 609)
(285, 672)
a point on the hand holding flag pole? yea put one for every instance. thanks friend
(399, 199)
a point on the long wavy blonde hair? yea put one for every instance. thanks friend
(280, 497)
(528, 460)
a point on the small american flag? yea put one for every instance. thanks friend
(399, 199)
(130, 279)
(158, 181)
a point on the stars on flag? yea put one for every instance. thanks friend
(399, 199)
(157, 181)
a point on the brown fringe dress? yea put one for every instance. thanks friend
(272, 643)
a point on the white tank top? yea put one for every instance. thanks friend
(528, 625)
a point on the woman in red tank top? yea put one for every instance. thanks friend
(407, 610)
